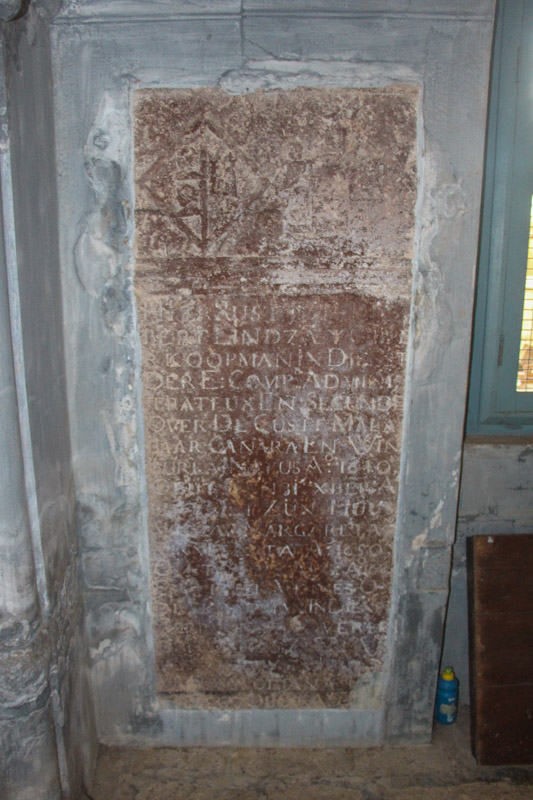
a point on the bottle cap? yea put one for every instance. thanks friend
(448, 674)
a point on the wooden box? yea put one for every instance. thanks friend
(500, 591)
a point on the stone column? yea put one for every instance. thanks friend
(28, 758)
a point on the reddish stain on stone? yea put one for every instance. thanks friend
(272, 280)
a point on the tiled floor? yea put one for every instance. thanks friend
(441, 771)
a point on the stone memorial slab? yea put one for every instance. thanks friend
(273, 270)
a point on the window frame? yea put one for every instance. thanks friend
(495, 407)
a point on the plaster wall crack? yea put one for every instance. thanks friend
(274, 56)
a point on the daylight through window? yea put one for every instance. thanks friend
(524, 378)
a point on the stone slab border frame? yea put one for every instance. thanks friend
(101, 52)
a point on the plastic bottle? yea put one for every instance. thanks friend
(447, 697)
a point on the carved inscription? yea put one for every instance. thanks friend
(273, 342)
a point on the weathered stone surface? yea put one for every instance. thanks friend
(9, 8)
(272, 281)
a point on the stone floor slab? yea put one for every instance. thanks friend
(444, 770)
